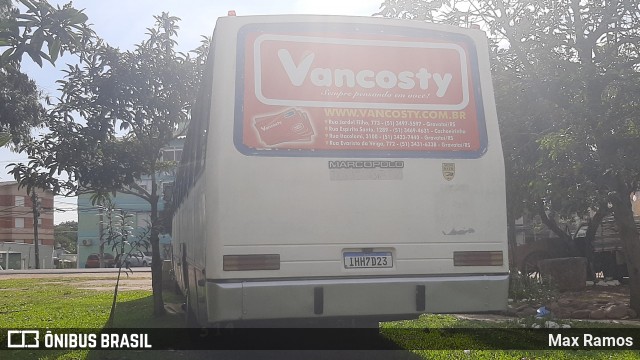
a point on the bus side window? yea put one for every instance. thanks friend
(193, 154)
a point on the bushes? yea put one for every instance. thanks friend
(531, 289)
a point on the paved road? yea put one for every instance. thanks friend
(34, 273)
(93, 279)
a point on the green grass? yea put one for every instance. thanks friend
(42, 303)
(57, 303)
(426, 333)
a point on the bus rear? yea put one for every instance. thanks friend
(353, 169)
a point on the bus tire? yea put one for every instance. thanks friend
(176, 288)
(190, 317)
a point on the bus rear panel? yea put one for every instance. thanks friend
(351, 167)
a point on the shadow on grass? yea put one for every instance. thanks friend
(468, 338)
(137, 315)
(129, 314)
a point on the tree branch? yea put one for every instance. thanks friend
(607, 19)
(551, 223)
(140, 191)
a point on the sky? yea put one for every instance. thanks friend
(123, 24)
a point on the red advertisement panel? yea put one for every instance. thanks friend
(344, 93)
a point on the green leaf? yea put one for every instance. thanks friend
(4, 138)
(54, 49)
(6, 56)
(78, 18)
(35, 56)
(38, 39)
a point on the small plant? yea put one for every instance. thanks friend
(531, 289)
(122, 238)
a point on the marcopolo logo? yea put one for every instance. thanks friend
(366, 164)
(362, 73)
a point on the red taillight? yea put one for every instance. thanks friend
(251, 262)
(477, 258)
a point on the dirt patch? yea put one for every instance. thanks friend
(99, 281)
(106, 274)
(598, 294)
(592, 303)
(109, 284)
(575, 306)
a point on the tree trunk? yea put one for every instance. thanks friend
(623, 214)
(156, 263)
(552, 225)
(595, 222)
(587, 247)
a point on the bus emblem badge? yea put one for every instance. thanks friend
(448, 171)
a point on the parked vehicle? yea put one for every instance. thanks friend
(527, 256)
(136, 258)
(608, 249)
(93, 261)
(606, 255)
(328, 175)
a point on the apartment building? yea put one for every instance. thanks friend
(17, 248)
(91, 220)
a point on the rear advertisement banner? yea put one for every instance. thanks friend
(346, 92)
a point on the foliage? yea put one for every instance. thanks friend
(545, 76)
(61, 29)
(120, 231)
(66, 235)
(145, 94)
(20, 108)
(533, 290)
(568, 80)
(121, 236)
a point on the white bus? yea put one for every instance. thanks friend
(342, 168)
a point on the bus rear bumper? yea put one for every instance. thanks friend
(365, 297)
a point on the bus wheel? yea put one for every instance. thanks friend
(190, 316)
(176, 288)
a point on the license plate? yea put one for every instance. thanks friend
(359, 260)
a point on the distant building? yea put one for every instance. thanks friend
(17, 248)
(91, 221)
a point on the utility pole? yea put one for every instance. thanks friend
(35, 203)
